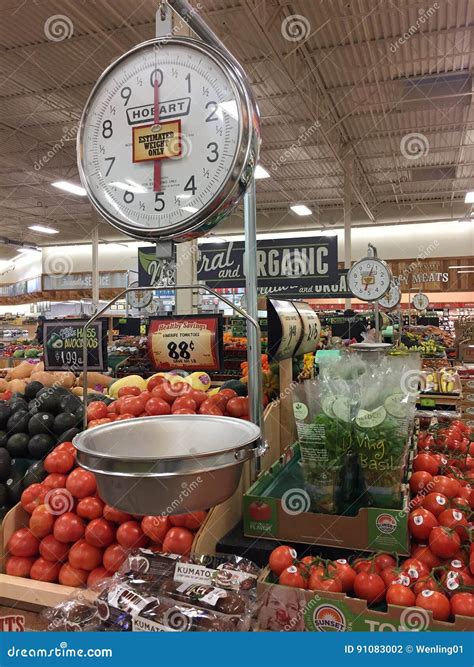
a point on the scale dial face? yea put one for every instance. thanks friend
(420, 301)
(391, 298)
(369, 279)
(139, 298)
(168, 139)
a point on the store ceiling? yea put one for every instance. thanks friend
(389, 80)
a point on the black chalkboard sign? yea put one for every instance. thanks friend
(63, 340)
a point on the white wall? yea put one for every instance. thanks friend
(23, 267)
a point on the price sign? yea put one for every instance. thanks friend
(63, 341)
(284, 329)
(186, 341)
(311, 328)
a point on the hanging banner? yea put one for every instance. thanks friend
(153, 270)
(63, 340)
(186, 342)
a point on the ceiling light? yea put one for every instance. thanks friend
(24, 251)
(70, 187)
(462, 266)
(261, 172)
(469, 198)
(466, 271)
(301, 209)
(43, 230)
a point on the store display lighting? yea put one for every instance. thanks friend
(469, 198)
(70, 187)
(301, 209)
(43, 230)
(261, 172)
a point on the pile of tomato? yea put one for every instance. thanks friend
(163, 398)
(76, 539)
(380, 579)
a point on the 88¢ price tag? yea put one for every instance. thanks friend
(186, 342)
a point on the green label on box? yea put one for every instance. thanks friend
(260, 516)
(427, 402)
(388, 530)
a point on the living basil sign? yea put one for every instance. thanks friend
(288, 267)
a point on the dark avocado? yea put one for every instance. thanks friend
(3, 494)
(70, 403)
(68, 435)
(49, 401)
(35, 474)
(18, 423)
(5, 413)
(3, 439)
(63, 422)
(5, 465)
(14, 486)
(32, 389)
(42, 422)
(40, 445)
(18, 405)
(17, 444)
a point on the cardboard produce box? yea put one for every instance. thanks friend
(276, 507)
(288, 609)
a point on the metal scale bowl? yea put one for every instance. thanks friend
(168, 464)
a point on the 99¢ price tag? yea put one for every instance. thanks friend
(185, 342)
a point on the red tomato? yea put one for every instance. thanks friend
(453, 518)
(369, 586)
(238, 407)
(446, 486)
(184, 403)
(45, 570)
(81, 483)
(18, 566)
(132, 405)
(90, 507)
(462, 604)
(194, 520)
(384, 560)
(100, 533)
(421, 522)
(435, 503)
(435, 602)
(112, 409)
(460, 504)
(30, 497)
(419, 481)
(129, 391)
(96, 575)
(423, 553)
(364, 565)
(154, 381)
(444, 542)
(325, 582)
(157, 406)
(345, 574)
(292, 576)
(59, 461)
(96, 410)
(178, 541)
(207, 407)
(71, 576)
(84, 556)
(66, 446)
(453, 581)
(281, 558)
(115, 515)
(124, 417)
(183, 411)
(219, 400)
(55, 481)
(395, 575)
(415, 569)
(23, 543)
(69, 528)
(428, 583)
(197, 396)
(51, 549)
(41, 521)
(426, 462)
(228, 393)
(400, 595)
(131, 536)
(156, 527)
(114, 556)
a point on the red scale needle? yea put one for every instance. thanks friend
(156, 120)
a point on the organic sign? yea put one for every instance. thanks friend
(186, 341)
(63, 345)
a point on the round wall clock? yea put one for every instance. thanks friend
(168, 139)
(369, 279)
(391, 298)
(139, 298)
(420, 301)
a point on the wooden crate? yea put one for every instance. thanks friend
(223, 517)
